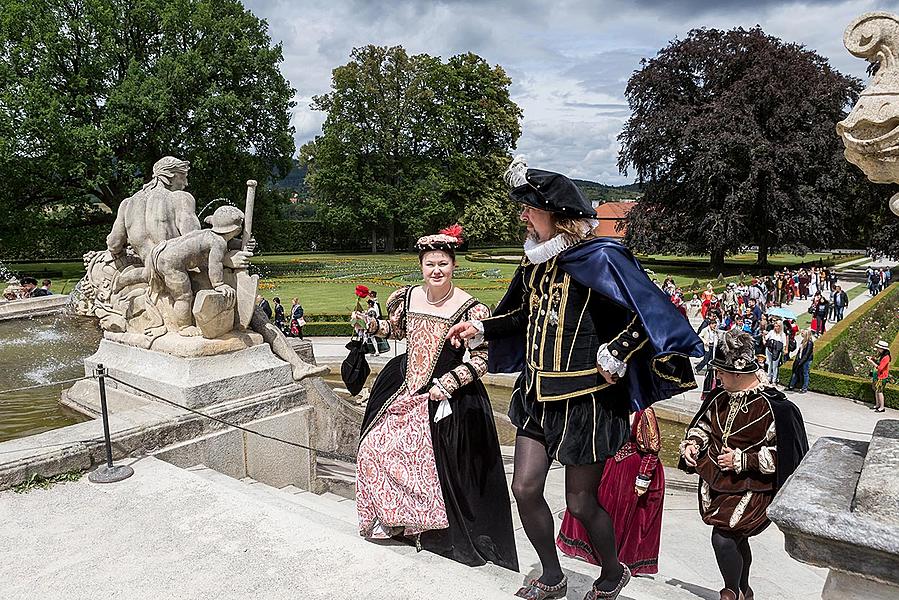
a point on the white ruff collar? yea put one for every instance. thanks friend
(540, 252)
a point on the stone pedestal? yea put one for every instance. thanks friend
(838, 511)
(195, 381)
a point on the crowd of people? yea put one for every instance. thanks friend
(759, 309)
(26, 288)
(877, 279)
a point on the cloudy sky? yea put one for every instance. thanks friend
(569, 59)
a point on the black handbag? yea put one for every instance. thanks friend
(383, 345)
(354, 370)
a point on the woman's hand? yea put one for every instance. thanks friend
(435, 395)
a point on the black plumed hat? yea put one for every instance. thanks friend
(552, 192)
(735, 353)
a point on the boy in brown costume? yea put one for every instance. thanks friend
(744, 443)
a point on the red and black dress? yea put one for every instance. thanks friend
(637, 519)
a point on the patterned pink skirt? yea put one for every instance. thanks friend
(396, 479)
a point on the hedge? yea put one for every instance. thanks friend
(836, 384)
(327, 329)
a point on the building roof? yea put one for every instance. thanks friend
(609, 215)
(614, 210)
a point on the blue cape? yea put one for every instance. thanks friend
(658, 371)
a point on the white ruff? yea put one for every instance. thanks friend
(540, 252)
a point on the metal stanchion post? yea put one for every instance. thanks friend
(107, 473)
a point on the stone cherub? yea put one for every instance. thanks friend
(172, 261)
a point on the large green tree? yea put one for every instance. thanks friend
(93, 92)
(732, 134)
(411, 143)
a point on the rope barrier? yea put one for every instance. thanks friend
(338, 456)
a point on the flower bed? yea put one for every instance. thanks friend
(854, 336)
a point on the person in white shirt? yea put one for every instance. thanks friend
(775, 342)
(709, 337)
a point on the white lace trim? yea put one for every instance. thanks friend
(540, 252)
(745, 393)
(609, 363)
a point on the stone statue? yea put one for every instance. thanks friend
(171, 262)
(163, 283)
(870, 132)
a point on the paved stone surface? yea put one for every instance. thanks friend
(167, 534)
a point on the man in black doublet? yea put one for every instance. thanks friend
(592, 337)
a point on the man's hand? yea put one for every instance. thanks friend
(726, 459)
(690, 454)
(435, 394)
(611, 378)
(458, 334)
(639, 491)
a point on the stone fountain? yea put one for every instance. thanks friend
(839, 509)
(177, 304)
(182, 336)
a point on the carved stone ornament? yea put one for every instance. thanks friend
(870, 132)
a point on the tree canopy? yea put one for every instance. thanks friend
(93, 92)
(733, 135)
(413, 143)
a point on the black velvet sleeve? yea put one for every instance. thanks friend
(515, 316)
(617, 326)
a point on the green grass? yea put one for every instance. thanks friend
(324, 282)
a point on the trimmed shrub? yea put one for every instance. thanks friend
(327, 329)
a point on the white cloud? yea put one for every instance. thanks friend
(569, 60)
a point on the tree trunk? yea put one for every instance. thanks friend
(762, 259)
(374, 239)
(717, 260)
(390, 246)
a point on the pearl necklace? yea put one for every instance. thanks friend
(436, 302)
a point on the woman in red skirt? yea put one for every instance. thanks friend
(632, 490)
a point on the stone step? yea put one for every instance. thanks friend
(339, 514)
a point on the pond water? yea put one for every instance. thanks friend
(672, 433)
(36, 351)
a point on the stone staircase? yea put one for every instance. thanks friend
(337, 514)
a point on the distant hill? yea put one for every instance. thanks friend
(296, 180)
(608, 193)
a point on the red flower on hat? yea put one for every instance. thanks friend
(362, 291)
(453, 231)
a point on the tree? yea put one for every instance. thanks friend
(93, 92)
(412, 143)
(733, 135)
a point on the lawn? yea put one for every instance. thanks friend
(324, 282)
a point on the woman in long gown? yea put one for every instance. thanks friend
(429, 462)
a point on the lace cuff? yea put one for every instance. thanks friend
(478, 338)
(609, 363)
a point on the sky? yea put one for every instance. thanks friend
(569, 60)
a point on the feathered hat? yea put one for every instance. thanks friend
(449, 238)
(547, 191)
(735, 353)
